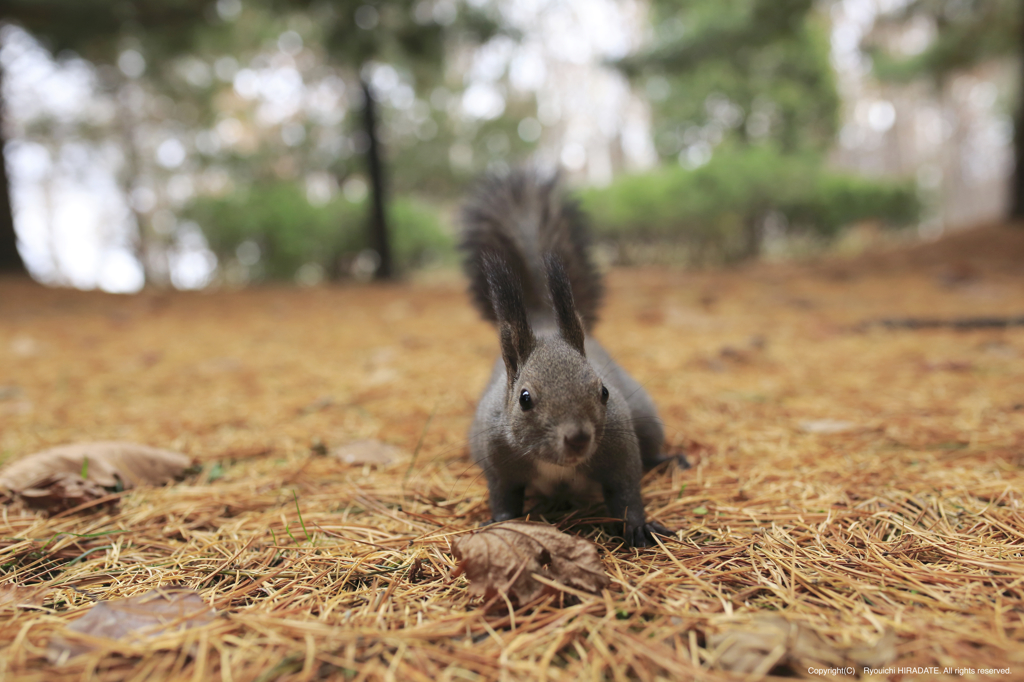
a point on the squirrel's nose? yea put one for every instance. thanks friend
(578, 441)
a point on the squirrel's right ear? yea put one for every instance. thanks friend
(517, 339)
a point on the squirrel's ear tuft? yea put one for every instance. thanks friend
(506, 292)
(569, 323)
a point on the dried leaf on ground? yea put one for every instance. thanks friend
(371, 452)
(949, 366)
(21, 596)
(504, 559)
(10, 392)
(71, 474)
(828, 426)
(137, 618)
(770, 641)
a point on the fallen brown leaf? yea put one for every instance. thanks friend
(949, 366)
(137, 618)
(368, 452)
(10, 392)
(21, 596)
(769, 641)
(68, 475)
(504, 559)
(827, 426)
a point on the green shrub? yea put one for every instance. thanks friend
(291, 232)
(418, 235)
(716, 209)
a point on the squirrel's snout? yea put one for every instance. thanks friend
(578, 441)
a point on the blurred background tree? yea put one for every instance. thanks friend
(10, 259)
(230, 141)
(408, 36)
(967, 34)
(96, 30)
(110, 35)
(744, 97)
(198, 85)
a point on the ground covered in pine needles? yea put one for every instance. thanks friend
(854, 499)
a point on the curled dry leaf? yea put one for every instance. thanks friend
(22, 596)
(69, 475)
(770, 641)
(504, 559)
(132, 620)
(371, 452)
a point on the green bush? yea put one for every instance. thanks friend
(716, 210)
(418, 235)
(291, 232)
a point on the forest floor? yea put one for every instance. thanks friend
(855, 496)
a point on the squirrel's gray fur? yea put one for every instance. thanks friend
(585, 425)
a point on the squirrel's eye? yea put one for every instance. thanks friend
(604, 394)
(525, 401)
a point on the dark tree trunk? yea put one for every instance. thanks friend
(1017, 190)
(379, 241)
(753, 234)
(128, 129)
(10, 259)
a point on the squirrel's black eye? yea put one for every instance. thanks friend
(525, 401)
(604, 394)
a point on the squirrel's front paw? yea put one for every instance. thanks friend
(643, 536)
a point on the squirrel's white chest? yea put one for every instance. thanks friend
(553, 479)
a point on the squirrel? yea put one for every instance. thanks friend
(558, 413)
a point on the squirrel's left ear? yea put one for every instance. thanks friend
(506, 293)
(570, 326)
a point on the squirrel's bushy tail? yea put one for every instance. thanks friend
(521, 216)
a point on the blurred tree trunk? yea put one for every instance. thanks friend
(127, 126)
(379, 241)
(10, 259)
(1017, 191)
(753, 233)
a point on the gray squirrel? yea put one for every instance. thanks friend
(558, 415)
